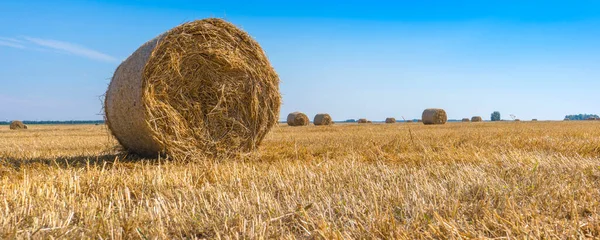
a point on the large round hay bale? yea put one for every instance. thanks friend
(322, 119)
(476, 119)
(17, 125)
(390, 120)
(204, 87)
(465, 120)
(434, 116)
(363, 120)
(297, 119)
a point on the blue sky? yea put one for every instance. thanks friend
(352, 59)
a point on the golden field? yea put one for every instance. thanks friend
(459, 180)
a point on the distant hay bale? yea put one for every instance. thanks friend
(465, 120)
(202, 88)
(322, 119)
(363, 120)
(409, 121)
(591, 118)
(390, 120)
(566, 119)
(517, 120)
(476, 119)
(297, 119)
(534, 120)
(17, 125)
(434, 116)
(369, 121)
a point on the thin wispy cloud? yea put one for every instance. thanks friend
(11, 44)
(14, 40)
(72, 48)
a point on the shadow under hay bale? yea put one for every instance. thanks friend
(17, 125)
(390, 120)
(476, 119)
(322, 119)
(433, 116)
(202, 88)
(296, 119)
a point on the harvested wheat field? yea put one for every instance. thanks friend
(496, 180)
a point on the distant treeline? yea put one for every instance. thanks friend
(57, 122)
(581, 116)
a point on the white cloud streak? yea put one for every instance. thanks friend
(11, 44)
(72, 48)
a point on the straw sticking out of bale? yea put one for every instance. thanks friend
(363, 120)
(322, 119)
(434, 116)
(476, 119)
(465, 120)
(202, 88)
(17, 125)
(297, 119)
(390, 120)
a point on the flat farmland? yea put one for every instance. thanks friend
(403, 180)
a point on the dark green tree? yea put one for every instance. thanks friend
(495, 116)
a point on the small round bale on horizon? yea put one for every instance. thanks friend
(203, 88)
(363, 120)
(297, 119)
(517, 120)
(390, 120)
(465, 120)
(409, 121)
(434, 116)
(476, 119)
(17, 125)
(534, 120)
(322, 119)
